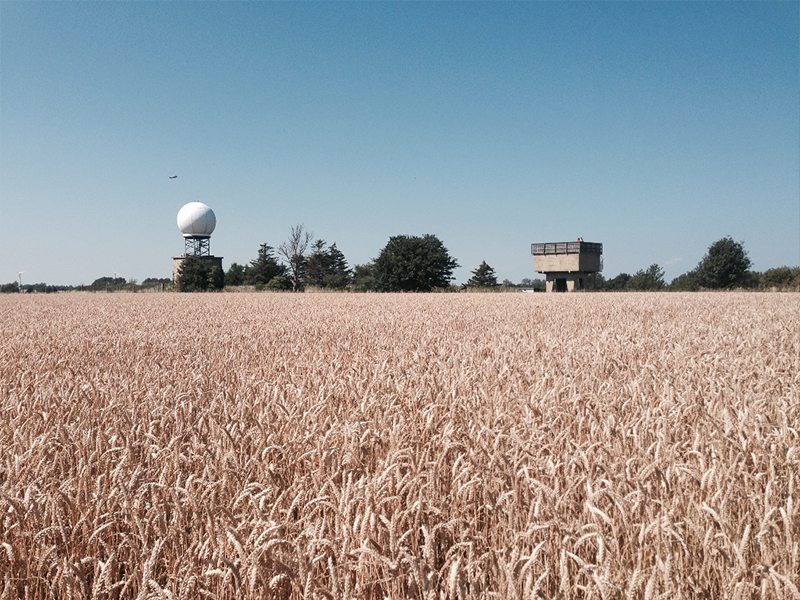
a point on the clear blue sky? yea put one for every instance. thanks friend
(655, 128)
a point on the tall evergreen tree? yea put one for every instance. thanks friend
(318, 265)
(339, 273)
(327, 268)
(263, 268)
(483, 277)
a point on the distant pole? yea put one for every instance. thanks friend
(19, 275)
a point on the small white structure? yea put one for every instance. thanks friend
(197, 222)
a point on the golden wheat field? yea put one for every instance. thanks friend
(340, 446)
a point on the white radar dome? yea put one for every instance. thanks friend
(196, 220)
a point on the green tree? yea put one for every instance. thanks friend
(216, 278)
(9, 288)
(751, 280)
(235, 274)
(414, 264)
(263, 268)
(651, 279)
(365, 278)
(108, 283)
(327, 267)
(594, 281)
(339, 273)
(280, 283)
(483, 277)
(725, 266)
(615, 284)
(318, 264)
(195, 275)
(782, 278)
(686, 282)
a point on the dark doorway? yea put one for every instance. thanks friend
(561, 285)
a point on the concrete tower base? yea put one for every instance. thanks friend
(565, 282)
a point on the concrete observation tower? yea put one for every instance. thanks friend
(567, 265)
(196, 222)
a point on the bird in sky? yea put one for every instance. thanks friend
(173, 176)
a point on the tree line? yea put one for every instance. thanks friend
(725, 266)
(102, 284)
(421, 264)
(405, 264)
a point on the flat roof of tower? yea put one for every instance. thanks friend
(566, 248)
